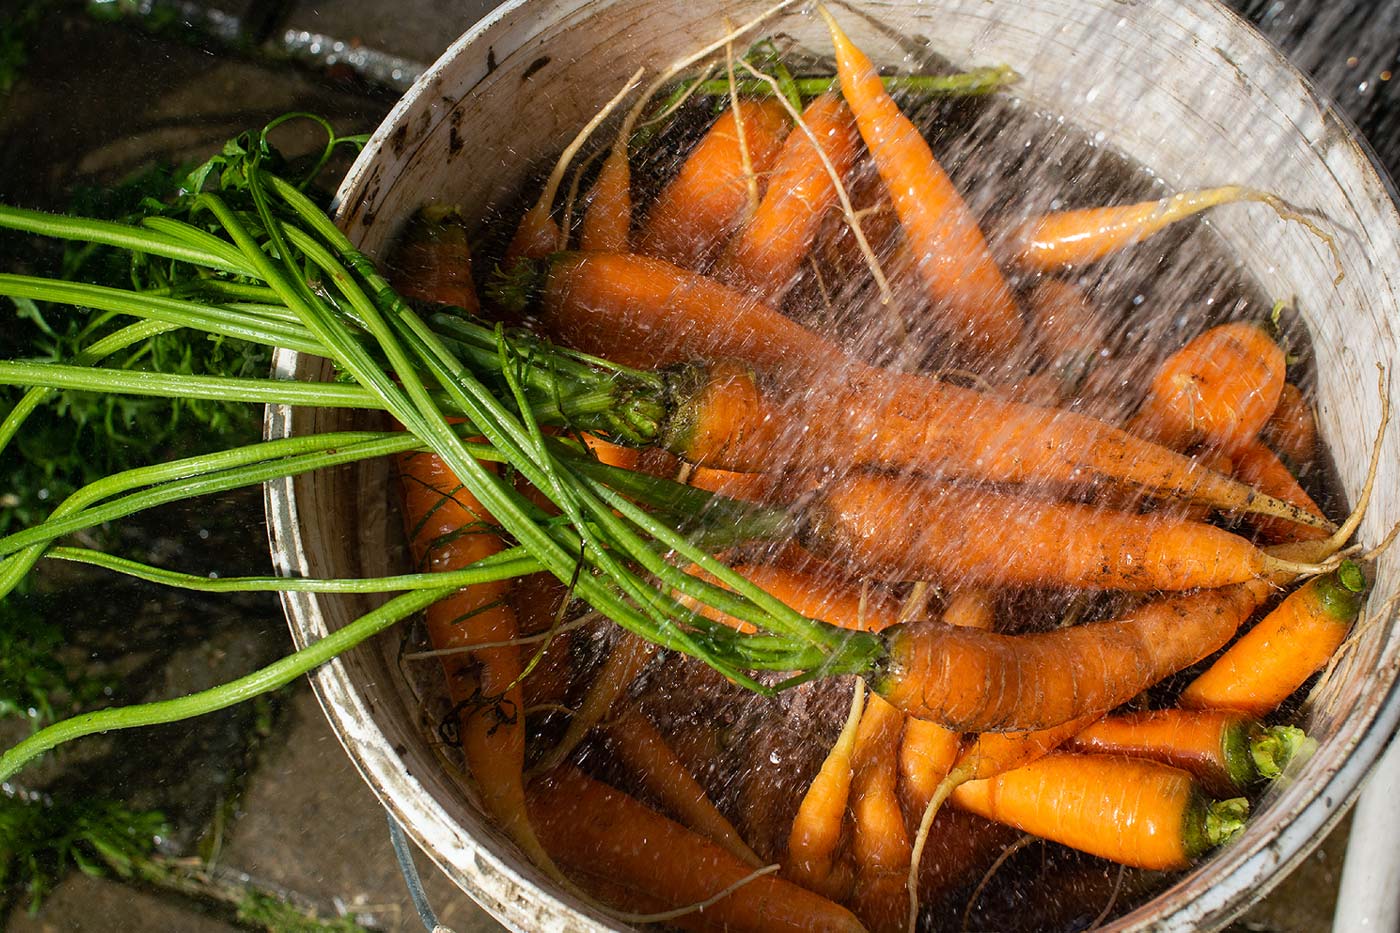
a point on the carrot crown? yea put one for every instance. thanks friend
(1341, 592)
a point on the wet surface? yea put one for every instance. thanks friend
(262, 796)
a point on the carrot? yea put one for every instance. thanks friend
(816, 829)
(978, 537)
(1285, 648)
(590, 826)
(697, 210)
(647, 755)
(1256, 465)
(953, 260)
(764, 256)
(625, 661)
(448, 528)
(1064, 238)
(607, 224)
(982, 682)
(815, 595)
(1292, 429)
(1130, 810)
(644, 312)
(880, 847)
(750, 487)
(433, 262)
(1221, 388)
(1226, 750)
(1071, 334)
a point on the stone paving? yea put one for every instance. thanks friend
(265, 794)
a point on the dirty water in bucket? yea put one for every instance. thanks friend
(277, 723)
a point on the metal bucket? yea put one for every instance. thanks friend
(1185, 88)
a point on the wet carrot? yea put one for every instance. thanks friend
(644, 312)
(696, 212)
(1228, 751)
(1292, 429)
(590, 826)
(953, 260)
(976, 537)
(1290, 644)
(607, 223)
(982, 682)
(1130, 810)
(1063, 238)
(764, 256)
(815, 595)
(433, 261)
(448, 528)
(1256, 465)
(647, 755)
(816, 829)
(1071, 334)
(1221, 388)
(880, 846)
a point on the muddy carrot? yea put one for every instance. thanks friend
(880, 847)
(646, 754)
(1290, 644)
(433, 261)
(816, 829)
(645, 312)
(695, 213)
(1256, 465)
(953, 259)
(1227, 751)
(966, 536)
(448, 528)
(983, 682)
(1063, 238)
(1221, 388)
(1292, 429)
(816, 596)
(590, 826)
(764, 256)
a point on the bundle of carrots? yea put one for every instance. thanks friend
(874, 492)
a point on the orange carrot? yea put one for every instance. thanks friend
(697, 210)
(880, 847)
(1285, 648)
(448, 528)
(750, 487)
(644, 312)
(815, 595)
(1133, 811)
(1292, 429)
(592, 827)
(953, 259)
(1227, 751)
(1071, 334)
(816, 829)
(1221, 388)
(763, 258)
(1256, 465)
(977, 537)
(647, 755)
(981, 682)
(607, 224)
(1078, 236)
(433, 261)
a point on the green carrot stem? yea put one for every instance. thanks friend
(967, 83)
(269, 678)
(1275, 747)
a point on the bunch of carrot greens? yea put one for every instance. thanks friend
(518, 459)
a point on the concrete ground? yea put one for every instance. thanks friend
(262, 795)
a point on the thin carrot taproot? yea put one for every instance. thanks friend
(972, 537)
(1220, 388)
(765, 254)
(588, 825)
(1292, 429)
(954, 262)
(645, 312)
(1290, 644)
(646, 753)
(880, 846)
(1228, 751)
(1257, 465)
(448, 528)
(1130, 810)
(607, 223)
(1070, 237)
(816, 829)
(695, 213)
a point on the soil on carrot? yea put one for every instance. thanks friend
(756, 756)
